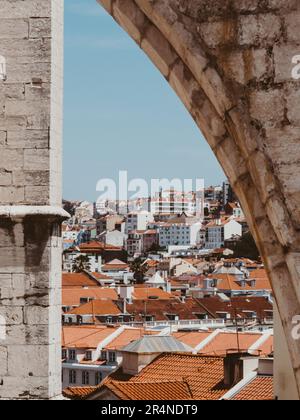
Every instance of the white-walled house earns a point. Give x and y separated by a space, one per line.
138 221
182 234
115 238
218 231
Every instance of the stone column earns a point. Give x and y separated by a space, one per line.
31 45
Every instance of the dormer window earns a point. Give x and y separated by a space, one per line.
88 355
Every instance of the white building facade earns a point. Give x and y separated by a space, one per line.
138 221
218 232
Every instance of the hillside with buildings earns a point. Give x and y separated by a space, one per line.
146 290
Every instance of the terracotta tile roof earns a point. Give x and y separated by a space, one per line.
228 282
192 339
267 348
115 265
97 246
151 263
237 306
260 389
260 273
97 308
216 223
126 337
224 341
150 391
78 280
146 293
78 393
160 309
100 276
205 375
85 337
72 296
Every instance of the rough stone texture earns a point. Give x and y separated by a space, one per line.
230 61
30 172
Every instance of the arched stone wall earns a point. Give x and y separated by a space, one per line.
230 61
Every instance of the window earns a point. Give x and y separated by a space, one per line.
85 378
104 355
72 377
64 354
88 355
72 355
112 357
98 378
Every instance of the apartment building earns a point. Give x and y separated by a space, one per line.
220 230
138 221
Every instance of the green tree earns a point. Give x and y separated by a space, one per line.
246 248
81 263
139 269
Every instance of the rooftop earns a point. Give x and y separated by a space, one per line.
72 296
145 391
260 389
97 308
156 344
205 375
85 337
78 280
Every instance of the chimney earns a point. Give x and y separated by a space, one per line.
237 365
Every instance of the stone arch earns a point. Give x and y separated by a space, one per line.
226 61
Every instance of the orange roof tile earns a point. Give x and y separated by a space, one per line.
260 389
205 375
148 292
72 296
150 391
224 341
100 276
228 282
97 308
267 348
78 393
78 280
85 337
97 246
192 339
126 337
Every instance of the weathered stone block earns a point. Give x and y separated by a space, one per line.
159 50
12 195
130 17
218 33
283 56
293 105
13 28
11 159
36 159
29 179
40 28
36 195
3 360
267 107
28 139
263 29
5 178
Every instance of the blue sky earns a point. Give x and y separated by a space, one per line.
119 112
